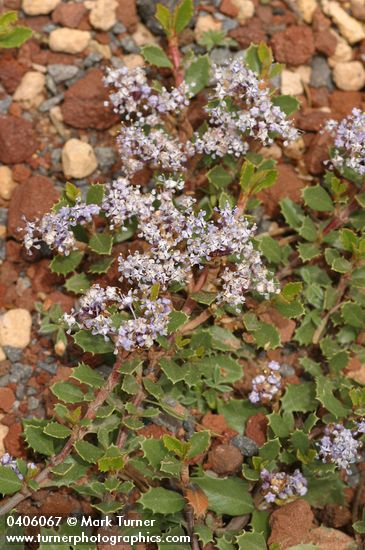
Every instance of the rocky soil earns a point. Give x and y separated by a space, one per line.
54 126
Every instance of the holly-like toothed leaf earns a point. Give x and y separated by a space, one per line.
197 500
358 277
88 452
281 425
174 445
219 177
71 192
270 249
237 411
270 450
67 392
162 501
176 320
15 37
353 314
112 461
359 526
292 290
7 19
56 430
154 451
199 443
174 372
92 343
317 198
223 339
108 508
62 265
39 441
78 283
299 398
95 194
290 310
202 297
164 17
102 266
156 56
101 243
205 534
308 251
324 390
267 336
223 544
182 15
253 541
287 103
222 494
87 375
197 75
9 481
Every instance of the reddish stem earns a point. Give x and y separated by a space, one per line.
175 57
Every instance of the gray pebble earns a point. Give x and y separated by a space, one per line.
229 24
2 249
51 85
321 73
219 56
31 391
106 157
4 380
5 104
49 103
20 391
51 368
60 72
246 445
20 372
117 62
118 28
49 27
92 59
13 354
33 403
129 45
3 216
286 370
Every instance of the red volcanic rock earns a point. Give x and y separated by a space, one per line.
32 200
69 15
245 35
84 103
7 399
294 45
317 153
342 103
291 524
127 13
256 428
228 8
312 120
18 140
225 459
11 73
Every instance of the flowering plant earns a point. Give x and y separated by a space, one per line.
183 296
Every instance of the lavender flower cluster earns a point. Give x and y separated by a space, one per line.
349 142
9 462
241 109
281 486
339 446
266 386
129 320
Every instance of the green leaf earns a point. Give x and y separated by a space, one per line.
67 392
292 213
183 13
253 541
219 177
154 451
252 59
95 194
267 336
174 372
177 320
77 283
162 501
287 103
39 441
92 343
164 17
270 450
87 375
270 249
341 265
353 314
223 339
7 19
324 391
112 461
299 398
174 445
54 429
318 199
308 251
102 266
199 443
197 75
358 277
88 452
15 37
9 481
291 290
206 298
237 411
101 243
156 56
222 494
281 424
72 192
290 310
65 264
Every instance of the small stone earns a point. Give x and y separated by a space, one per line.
245 9
13 354
133 60
256 428
30 90
246 445
15 327
349 76
206 23
2 355
342 53
18 140
39 7
349 27
307 9
105 156
143 36
7 185
290 524
5 104
102 15
78 159
358 9
61 73
50 103
33 403
69 15
321 73
330 539
294 45
69 40
102 49
11 73
291 83
305 73
7 399
225 459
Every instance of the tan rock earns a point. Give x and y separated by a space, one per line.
206 23
305 73
343 51
291 83
7 184
349 76
15 327
69 40
358 9
142 36
307 9
2 354
245 8
349 27
103 49
39 7
4 430
102 15
331 539
78 159
31 89
133 60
